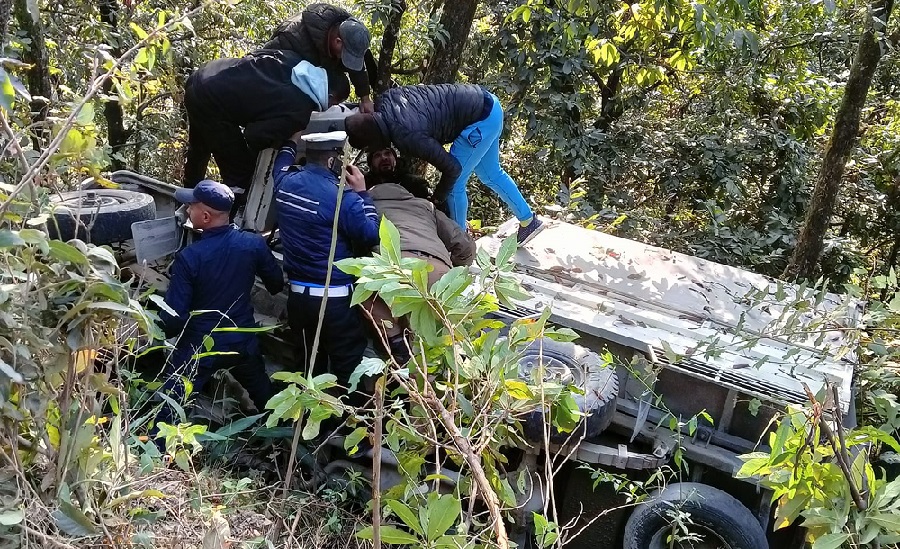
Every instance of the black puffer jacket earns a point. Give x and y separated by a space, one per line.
255 92
307 34
419 120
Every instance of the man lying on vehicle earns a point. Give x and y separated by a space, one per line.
386 167
238 107
426 233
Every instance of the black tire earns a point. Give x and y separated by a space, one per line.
722 520
108 212
588 372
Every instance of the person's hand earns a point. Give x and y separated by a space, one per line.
355 178
366 105
296 137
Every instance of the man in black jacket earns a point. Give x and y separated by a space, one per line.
238 107
419 120
328 37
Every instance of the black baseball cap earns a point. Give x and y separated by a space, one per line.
211 193
355 37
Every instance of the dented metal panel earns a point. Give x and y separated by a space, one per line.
667 303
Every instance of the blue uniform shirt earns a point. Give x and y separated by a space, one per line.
305 201
217 274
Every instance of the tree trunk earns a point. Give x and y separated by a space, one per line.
388 45
456 20
40 86
5 13
805 259
611 106
112 110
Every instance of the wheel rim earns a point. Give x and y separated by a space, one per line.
554 369
708 539
90 201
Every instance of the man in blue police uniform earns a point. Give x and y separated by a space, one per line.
216 275
306 204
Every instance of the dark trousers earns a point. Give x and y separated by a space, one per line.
209 135
248 369
342 341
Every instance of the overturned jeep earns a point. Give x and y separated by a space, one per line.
703 362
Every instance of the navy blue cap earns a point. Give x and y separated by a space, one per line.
355 37
211 193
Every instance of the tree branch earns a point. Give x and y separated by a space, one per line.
93 90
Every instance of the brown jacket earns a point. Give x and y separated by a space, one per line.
423 228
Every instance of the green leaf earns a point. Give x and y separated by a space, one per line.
871 434
370 366
66 252
161 303
353 439
314 422
237 329
889 522
12 517
71 520
85 115
831 541
7 91
406 515
238 426
10 372
10 239
390 240
141 34
753 406
507 250
518 389
443 512
390 535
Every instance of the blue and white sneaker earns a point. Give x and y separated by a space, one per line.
529 231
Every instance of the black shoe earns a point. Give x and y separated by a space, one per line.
529 231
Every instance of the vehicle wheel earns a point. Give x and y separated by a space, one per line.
721 521
573 364
104 215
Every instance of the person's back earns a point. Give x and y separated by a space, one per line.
210 284
250 88
439 111
307 32
231 255
422 227
329 37
306 204
420 120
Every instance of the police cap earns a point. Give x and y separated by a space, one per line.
330 141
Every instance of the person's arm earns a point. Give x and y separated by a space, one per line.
268 269
457 241
360 81
432 151
358 218
178 296
283 161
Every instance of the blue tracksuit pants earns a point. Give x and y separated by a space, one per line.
478 149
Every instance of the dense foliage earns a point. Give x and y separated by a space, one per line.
696 126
